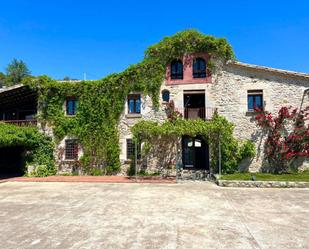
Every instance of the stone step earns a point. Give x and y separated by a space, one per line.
193 175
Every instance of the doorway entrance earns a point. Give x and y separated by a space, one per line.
194 104
11 162
195 153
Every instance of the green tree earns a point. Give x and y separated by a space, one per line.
2 79
16 71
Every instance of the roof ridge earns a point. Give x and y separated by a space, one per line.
269 69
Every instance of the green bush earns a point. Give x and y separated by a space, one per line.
38 146
96 172
131 169
41 171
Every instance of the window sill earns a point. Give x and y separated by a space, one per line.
253 113
133 115
199 77
70 116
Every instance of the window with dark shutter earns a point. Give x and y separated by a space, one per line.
255 100
199 68
134 104
176 70
71 106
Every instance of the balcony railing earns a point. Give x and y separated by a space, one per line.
205 113
30 122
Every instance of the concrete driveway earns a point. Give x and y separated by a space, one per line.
188 215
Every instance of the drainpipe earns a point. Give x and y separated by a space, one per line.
302 100
220 166
135 145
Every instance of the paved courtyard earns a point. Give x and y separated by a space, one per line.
187 215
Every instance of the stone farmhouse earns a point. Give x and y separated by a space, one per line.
233 90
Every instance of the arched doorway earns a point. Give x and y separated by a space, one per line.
195 153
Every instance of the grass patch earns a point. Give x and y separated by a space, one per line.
293 177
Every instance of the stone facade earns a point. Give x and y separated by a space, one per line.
228 92
230 96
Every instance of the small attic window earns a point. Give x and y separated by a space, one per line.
165 96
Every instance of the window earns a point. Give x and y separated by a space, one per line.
199 68
165 95
71 149
255 100
131 150
176 70
71 106
134 104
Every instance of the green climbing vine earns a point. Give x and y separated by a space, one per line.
233 151
101 102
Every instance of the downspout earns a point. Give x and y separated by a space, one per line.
302 100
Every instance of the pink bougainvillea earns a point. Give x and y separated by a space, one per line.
172 113
287 137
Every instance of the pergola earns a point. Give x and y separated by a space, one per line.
17 104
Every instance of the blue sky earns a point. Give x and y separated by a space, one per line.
67 38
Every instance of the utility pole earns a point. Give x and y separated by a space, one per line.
84 76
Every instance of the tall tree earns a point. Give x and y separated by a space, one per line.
2 79
16 71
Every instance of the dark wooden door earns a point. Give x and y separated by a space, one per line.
195 153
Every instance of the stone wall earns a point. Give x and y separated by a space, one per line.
261 184
128 120
154 159
67 166
228 93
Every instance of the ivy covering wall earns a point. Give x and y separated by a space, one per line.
101 102
38 147
232 150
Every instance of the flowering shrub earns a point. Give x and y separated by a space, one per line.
287 137
172 113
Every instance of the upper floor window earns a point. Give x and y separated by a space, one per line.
165 96
71 149
199 68
255 100
71 106
176 70
134 104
